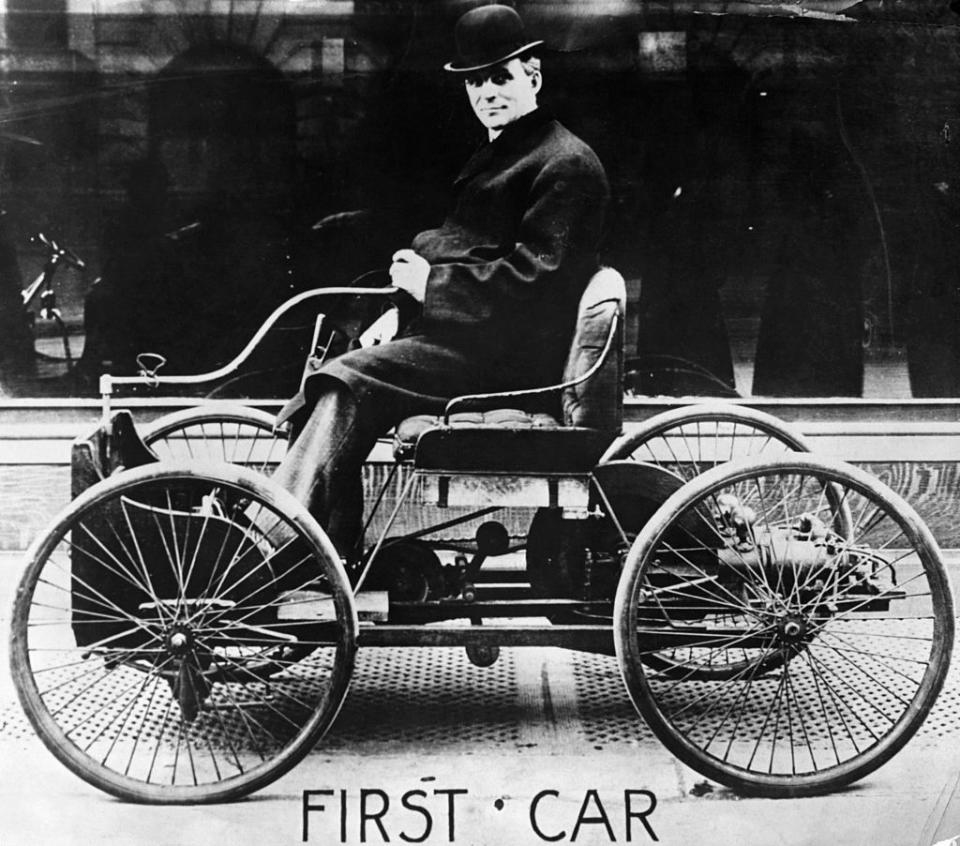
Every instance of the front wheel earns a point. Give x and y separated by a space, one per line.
840 641
182 636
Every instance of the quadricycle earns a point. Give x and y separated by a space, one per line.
782 622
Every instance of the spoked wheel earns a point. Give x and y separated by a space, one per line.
689 441
182 636
840 643
232 434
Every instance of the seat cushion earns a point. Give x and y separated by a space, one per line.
407 433
504 439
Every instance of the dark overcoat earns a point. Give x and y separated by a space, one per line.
507 268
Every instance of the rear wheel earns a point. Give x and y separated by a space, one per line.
182 636
834 647
231 434
689 441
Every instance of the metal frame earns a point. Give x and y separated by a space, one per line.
151 363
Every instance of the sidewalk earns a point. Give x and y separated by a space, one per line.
542 747
912 801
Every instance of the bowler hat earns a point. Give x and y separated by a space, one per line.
488 35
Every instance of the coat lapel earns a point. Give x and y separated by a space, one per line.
476 163
517 136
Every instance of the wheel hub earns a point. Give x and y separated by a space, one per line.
179 640
792 628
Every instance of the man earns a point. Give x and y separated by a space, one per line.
497 284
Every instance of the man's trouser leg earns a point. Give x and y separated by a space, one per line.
324 464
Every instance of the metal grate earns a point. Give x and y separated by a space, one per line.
437 697
433 696
607 716
99 715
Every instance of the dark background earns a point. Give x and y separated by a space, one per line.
784 188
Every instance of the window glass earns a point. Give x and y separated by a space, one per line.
784 190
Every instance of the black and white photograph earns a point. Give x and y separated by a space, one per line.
479 422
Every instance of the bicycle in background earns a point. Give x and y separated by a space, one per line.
39 298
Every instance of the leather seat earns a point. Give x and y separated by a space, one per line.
501 439
499 435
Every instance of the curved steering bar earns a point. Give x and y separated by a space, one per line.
148 374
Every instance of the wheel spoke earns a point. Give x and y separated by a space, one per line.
165 663
847 598
236 436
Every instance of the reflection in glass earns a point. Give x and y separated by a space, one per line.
785 189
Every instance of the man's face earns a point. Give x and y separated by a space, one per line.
502 93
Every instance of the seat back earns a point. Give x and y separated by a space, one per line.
597 402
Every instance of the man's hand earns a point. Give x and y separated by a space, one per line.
409 273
